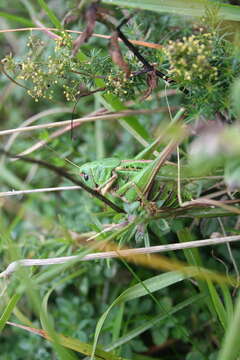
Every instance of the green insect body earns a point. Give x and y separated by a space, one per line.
132 180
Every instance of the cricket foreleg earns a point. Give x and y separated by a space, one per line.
104 188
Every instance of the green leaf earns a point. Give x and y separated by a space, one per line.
192 255
129 123
235 94
231 344
73 344
18 19
118 322
181 7
11 179
218 305
50 14
232 173
153 321
228 302
207 287
8 310
150 285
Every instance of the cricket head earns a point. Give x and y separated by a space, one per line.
97 173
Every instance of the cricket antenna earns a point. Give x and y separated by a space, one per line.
72 118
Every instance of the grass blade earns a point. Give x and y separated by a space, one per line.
15 18
231 344
150 323
71 343
150 285
181 7
8 310
50 14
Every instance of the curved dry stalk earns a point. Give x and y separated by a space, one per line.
12 267
38 145
109 116
135 42
32 191
32 119
211 202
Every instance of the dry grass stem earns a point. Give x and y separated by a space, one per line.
12 267
135 42
32 191
109 116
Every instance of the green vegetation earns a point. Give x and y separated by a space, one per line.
127 138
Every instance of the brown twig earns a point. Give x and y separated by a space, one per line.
62 172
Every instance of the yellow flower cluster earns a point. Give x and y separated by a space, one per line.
63 42
119 84
191 59
71 92
43 73
55 67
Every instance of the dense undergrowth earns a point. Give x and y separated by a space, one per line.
180 87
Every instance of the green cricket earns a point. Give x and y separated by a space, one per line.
138 179
134 180
128 179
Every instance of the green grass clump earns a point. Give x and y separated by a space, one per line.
180 305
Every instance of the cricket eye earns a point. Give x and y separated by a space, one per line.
85 176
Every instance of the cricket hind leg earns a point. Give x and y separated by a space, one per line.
164 195
142 198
